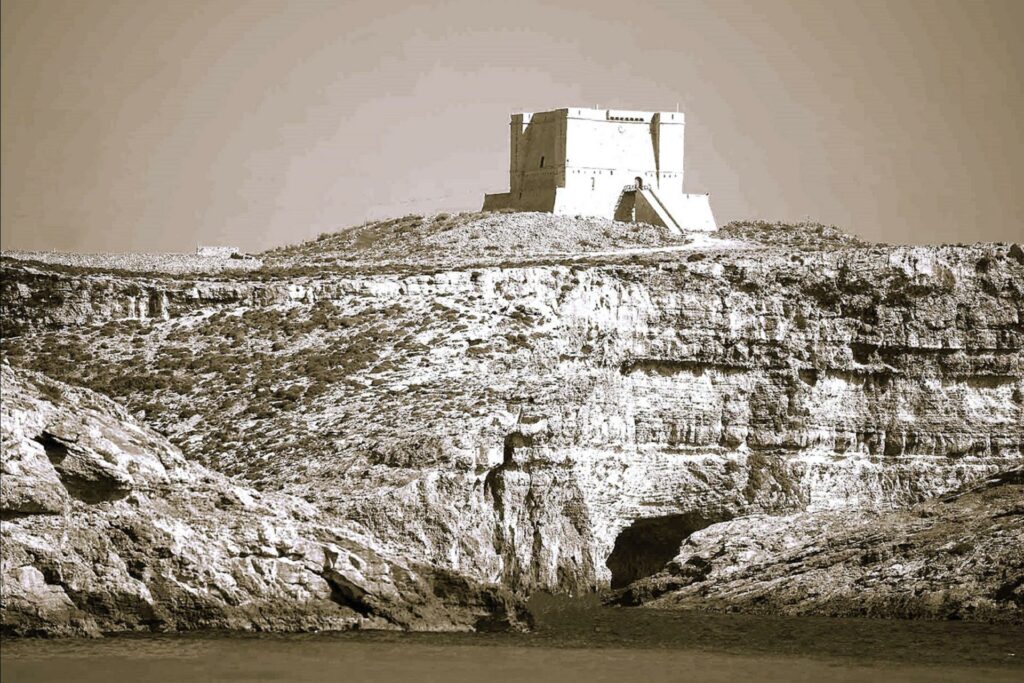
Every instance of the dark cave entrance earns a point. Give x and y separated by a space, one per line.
643 548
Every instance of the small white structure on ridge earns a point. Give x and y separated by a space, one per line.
217 251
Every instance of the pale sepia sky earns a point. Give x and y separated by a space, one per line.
154 125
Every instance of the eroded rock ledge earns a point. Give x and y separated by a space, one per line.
960 556
106 527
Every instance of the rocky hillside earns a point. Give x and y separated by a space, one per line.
445 239
954 557
106 527
538 419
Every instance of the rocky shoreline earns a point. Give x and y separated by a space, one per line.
108 529
953 557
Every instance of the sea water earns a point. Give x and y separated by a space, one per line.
574 640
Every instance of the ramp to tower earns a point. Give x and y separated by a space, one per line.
649 209
675 210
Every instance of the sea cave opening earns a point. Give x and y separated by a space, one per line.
645 546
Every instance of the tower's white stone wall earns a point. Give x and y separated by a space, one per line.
578 162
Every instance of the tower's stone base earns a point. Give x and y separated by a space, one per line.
674 210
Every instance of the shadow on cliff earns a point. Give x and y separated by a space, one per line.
644 547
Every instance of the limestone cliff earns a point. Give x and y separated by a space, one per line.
106 527
559 421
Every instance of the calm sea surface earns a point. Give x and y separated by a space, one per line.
574 641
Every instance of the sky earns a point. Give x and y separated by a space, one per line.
146 125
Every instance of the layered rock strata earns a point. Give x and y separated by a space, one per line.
564 424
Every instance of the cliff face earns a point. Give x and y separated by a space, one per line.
106 527
564 423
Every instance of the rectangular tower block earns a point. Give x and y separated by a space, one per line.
625 165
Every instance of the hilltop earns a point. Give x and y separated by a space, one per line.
417 242
471 236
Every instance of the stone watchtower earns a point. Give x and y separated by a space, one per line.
626 165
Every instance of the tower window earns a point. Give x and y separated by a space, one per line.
542 162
